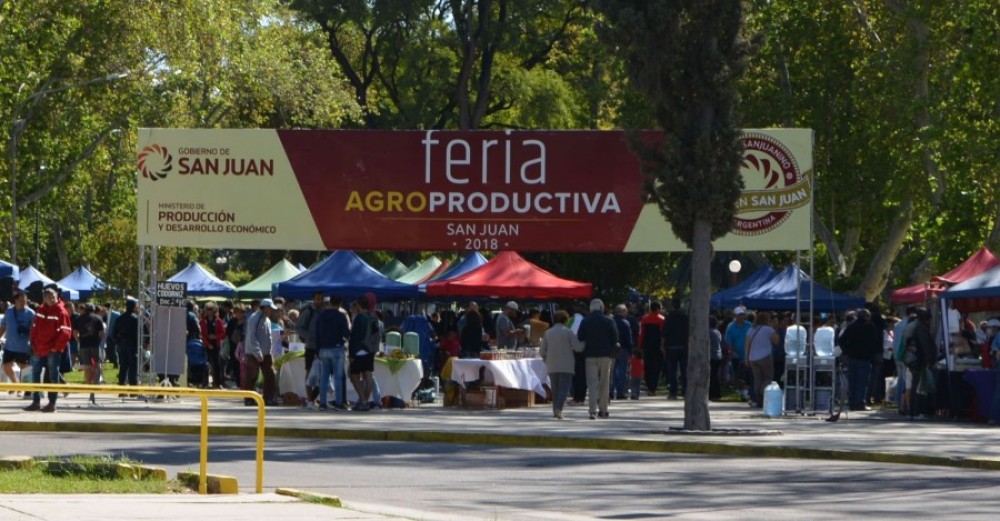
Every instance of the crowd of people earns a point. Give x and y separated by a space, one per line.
592 352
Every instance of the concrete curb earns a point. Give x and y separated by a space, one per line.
530 441
217 483
322 499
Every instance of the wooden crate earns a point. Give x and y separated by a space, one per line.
486 397
516 398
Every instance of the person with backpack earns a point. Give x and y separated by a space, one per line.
363 345
305 327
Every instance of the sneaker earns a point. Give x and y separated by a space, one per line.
559 415
50 407
604 414
593 416
361 407
33 407
339 407
92 405
323 407
309 406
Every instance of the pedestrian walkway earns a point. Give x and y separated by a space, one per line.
651 424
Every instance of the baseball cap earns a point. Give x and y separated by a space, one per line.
512 305
740 310
993 323
267 303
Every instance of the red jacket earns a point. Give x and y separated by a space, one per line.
219 330
52 329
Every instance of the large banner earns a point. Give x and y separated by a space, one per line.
443 190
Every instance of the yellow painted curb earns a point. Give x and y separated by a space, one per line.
322 499
217 483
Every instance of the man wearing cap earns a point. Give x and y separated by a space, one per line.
49 338
506 332
736 336
258 352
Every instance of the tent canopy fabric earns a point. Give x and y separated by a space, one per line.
201 283
508 275
732 297
30 275
790 289
84 282
261 286
394 269
345 274
421 272
979 262
457 269
8 270
979 293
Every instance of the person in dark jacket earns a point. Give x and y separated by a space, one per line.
600 339
127 337
926 351
859 343
620 378
675 348
332 332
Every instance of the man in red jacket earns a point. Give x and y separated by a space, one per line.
49 337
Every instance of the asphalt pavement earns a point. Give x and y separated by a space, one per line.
651 424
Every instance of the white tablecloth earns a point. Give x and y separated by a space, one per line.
292 379
528 374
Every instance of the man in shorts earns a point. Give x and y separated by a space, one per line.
15 327
89 332
361 355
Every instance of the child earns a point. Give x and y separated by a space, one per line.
637 370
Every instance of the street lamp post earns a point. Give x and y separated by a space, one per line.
17 130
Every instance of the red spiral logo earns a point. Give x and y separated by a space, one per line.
155 162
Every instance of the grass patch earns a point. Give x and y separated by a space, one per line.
110 375
82 475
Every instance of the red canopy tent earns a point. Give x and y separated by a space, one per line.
508 275
979 262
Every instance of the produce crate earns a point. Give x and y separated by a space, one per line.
516 398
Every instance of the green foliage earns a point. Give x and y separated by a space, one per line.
685 57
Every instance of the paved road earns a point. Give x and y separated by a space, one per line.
473 482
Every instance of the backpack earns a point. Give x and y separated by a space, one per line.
373 341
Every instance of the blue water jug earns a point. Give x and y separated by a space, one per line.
773 400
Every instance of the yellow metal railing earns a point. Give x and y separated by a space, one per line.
204 394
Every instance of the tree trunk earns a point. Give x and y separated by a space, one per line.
878 271
696 416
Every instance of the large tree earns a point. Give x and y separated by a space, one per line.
685 57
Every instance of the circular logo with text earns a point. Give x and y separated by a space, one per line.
155 162
770 172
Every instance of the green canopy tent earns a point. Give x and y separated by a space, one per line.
261 286
422 271
394 269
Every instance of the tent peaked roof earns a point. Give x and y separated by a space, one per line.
421 272
979 293
84 282
792 288
979 262
457 269
345 274
732 297
508 275
30 275
201 283
261 286
8 270
394 269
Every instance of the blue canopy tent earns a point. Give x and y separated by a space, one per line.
980 293
30 275
201 283
8 270
345 274
732 297
84 283
792 288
